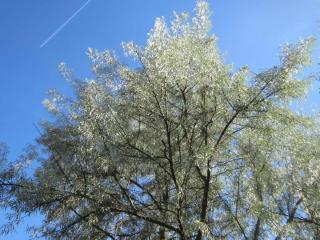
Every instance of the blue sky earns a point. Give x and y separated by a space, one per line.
249 32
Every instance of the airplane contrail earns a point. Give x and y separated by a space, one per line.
65 23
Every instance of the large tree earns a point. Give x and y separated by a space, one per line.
180 147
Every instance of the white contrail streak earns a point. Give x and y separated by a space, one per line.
65 23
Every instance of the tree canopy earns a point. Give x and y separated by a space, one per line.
181 147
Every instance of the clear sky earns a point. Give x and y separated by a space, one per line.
249 32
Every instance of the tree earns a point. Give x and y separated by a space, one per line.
181 147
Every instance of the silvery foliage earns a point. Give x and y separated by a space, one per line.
180 147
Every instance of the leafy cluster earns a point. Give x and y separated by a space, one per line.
181 147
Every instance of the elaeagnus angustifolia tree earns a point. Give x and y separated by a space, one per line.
180 147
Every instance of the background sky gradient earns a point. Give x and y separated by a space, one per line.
249 33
